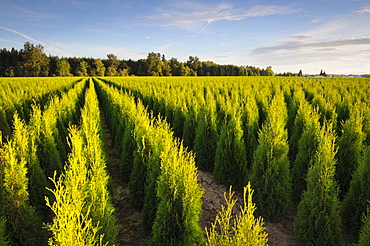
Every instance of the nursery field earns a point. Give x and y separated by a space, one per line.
147 161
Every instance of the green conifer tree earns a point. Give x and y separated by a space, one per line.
127 153
350 147
205 140
23 223
365 230
180 200
231 161
251 127
355 202
3 234
307 147
190 124
318 219
270 171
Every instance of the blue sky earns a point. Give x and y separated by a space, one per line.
287 35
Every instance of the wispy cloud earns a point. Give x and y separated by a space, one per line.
362 11
166 46
335 56
10 41
47 47
365 10
225 44
196 17
338 44
317 20
22 34
306 42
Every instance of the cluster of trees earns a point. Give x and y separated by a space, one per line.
32 61
290 74
299 74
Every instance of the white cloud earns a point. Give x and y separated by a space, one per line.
348 55
365 10
196 17
339 44
166 46
302 42
10 41
225 44
317 20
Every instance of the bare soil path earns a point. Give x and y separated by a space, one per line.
129 220
279 234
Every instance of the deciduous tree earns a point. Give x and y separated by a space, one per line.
82 69
63 68
99 67
35 62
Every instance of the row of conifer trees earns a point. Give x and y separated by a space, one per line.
34 151
82 205
300 141
161 173
18 94
162 178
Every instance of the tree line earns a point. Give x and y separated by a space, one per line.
31 61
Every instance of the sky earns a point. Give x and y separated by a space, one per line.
288 35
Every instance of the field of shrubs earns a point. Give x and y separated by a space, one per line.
290 145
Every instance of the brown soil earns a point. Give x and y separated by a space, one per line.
279 234
129 220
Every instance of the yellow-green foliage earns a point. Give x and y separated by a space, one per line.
84 213
318 219
23 223
180 199
308 121
196 110
239 230
355 202
203 101
72 223
58 114
350 149
271 168
17 94
163 178
102 210
231 149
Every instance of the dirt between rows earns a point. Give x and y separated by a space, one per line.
279 234
129 220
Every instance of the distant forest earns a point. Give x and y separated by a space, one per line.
33 62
